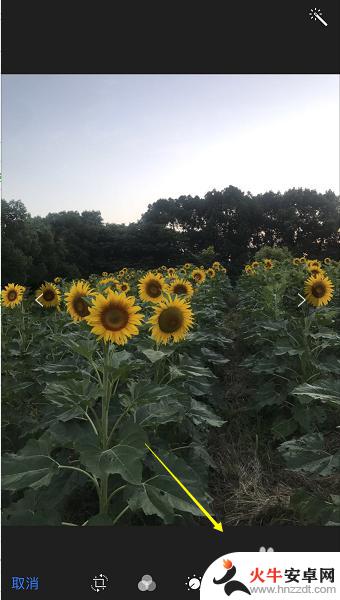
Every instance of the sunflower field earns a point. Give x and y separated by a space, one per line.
204 372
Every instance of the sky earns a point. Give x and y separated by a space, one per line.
117 143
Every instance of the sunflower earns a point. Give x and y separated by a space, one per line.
163 268
108 280
171 272
211 273
314 263
48 295
114 318
249 270
181 287
327 261
296 261
303 260
216 265
57 279
255 264
223 269
151 287
122 272
318 290
268 263
182 271
76 304
188 265
104 274
198 275
315 270
172 319
123 287
12 295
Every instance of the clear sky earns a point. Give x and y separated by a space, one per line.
117 143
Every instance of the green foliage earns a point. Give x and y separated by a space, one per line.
92 408
293 356
275 253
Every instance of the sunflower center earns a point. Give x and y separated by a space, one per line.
197 276
81 307
318 290
170 320
12 295
123 287
180 289
114 318
48 295
154 289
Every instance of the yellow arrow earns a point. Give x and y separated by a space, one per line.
216 525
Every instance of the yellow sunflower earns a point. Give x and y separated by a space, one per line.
249 270
181 287
211 273
114 318
216 265
171 272
268 263
12 295
318 290
315 270
108 280
76 303
151 287
188 265
57 279
314 263
198 275
123 287
327 261
296 261
255 264
223 269
172 320
104 274
182 271
303 260
49 295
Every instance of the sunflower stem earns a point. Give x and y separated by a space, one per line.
121 514
107 389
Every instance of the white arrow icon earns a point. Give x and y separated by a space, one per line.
303 299
37 300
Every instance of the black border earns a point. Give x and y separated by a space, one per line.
168 37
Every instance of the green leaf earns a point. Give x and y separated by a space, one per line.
267 395
214 357
84 347
325 390
124 458
283 428
151 501
32 467
153 355
159 413
162 496
201 414
307 454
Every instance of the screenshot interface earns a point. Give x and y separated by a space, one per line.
170 301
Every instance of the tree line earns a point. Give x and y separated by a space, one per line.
233 224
